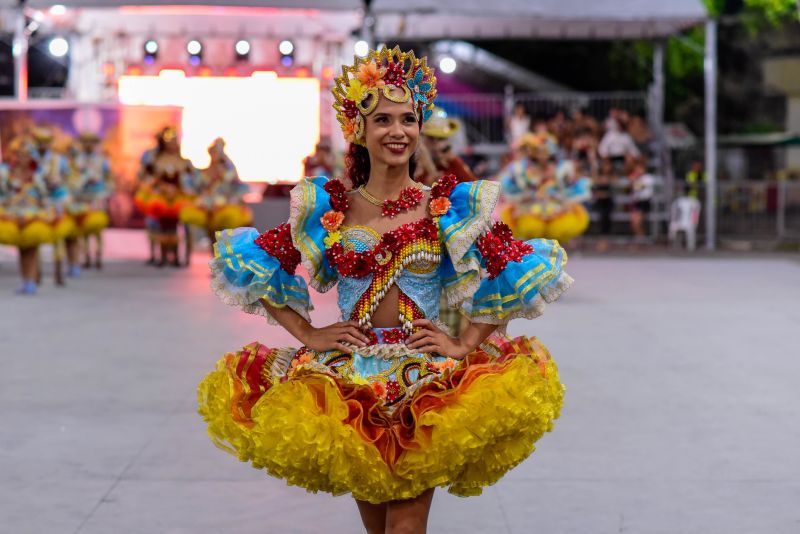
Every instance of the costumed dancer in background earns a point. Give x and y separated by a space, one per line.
220 203
25 221
322 162
53 170
145 180
438 158
90 186
543 200
169 190
437 135
384 404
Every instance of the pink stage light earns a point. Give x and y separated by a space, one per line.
269 123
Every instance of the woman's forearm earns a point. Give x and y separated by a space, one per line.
475 334
290 320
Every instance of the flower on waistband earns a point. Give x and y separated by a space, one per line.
393 336
393 390
443 366
439 206
304 358
332 220
379 389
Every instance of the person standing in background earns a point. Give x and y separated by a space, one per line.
518 124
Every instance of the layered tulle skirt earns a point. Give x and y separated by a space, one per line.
383 423
217 218
33 228
546 220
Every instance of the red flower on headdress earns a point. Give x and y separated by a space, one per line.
394 74
349 108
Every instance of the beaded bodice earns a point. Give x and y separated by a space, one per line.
370 264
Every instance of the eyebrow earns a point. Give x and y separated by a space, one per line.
384 114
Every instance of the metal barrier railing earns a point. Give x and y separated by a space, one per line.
759 209
484 115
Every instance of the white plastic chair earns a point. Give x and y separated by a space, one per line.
684 217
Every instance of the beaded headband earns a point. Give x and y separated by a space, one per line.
358 88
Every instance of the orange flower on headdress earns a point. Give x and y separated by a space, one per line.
370 75
439 206
349 131
332 220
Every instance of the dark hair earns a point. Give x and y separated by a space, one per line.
356 163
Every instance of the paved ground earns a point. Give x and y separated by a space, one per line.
680 417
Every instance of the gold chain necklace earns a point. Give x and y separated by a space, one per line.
372 199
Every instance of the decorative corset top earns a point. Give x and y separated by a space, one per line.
370 264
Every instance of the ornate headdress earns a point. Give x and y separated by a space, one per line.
357 89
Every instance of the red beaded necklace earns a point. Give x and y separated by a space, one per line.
409 198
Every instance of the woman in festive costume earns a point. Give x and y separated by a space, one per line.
25 220
90 184
220 203
384 404
169 187
52 169
540 201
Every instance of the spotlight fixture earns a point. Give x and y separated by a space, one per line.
58 47
150 51
361 48
242 48
447 65
286 48
195 50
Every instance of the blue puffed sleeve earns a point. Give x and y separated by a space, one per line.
521 289
243 274
309 202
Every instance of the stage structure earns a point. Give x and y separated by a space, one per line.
257 76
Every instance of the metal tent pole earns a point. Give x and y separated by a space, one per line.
20 52
657 122
710 71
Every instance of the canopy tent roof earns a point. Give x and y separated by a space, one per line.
479 19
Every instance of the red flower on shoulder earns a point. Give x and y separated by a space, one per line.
444 186
338 193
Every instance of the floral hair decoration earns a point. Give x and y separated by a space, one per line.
357 90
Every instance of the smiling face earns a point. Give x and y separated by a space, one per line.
392 131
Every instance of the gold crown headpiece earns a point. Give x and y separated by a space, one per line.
357 90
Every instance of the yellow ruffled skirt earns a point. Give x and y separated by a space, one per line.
461 427
562 225
92 222
217 219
